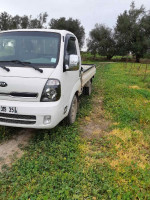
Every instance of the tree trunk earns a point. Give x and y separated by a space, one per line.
137 58
109 57
94 56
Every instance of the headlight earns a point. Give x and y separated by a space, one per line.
51 91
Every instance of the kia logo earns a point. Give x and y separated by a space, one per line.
3 84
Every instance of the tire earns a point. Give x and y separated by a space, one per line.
73 111
88 89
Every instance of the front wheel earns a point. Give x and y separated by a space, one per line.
73 111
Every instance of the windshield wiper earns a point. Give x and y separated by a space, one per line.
26 63
23 63
5 68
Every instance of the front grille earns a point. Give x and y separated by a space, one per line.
24 94
17 119
20 94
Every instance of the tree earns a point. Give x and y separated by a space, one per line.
39 21
5 21
73 25
131 32
24 22
8 22
102 41
15 22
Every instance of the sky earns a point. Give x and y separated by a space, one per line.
89 12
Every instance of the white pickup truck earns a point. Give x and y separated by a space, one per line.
41 77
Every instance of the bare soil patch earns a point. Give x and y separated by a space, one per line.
134 87
11 150
95 125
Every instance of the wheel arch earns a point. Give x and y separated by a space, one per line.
75 91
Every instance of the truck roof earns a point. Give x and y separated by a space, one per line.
62 32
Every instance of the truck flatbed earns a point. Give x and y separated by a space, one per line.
88 72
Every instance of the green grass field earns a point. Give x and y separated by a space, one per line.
62 164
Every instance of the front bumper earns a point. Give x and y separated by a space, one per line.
26 111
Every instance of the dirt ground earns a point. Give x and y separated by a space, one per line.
11 150
95 126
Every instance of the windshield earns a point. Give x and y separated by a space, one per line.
39 48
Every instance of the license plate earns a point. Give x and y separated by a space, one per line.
8 109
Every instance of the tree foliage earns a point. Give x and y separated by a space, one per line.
132 31
39 21
72 25
131 34
5 21
102 41
8 22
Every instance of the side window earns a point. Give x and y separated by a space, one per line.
71 47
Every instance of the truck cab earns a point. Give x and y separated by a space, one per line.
41 77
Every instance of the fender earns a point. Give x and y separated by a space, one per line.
76 88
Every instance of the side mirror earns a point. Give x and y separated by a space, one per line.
73 63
